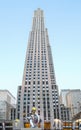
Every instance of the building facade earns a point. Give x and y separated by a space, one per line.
74 101
65 113
4 110
5 95
18 102
39 88
7 101
13 113
63 95
71 98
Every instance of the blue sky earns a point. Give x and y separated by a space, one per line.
63 20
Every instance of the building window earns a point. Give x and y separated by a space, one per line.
38 82
25 82
33 82
29 83
42 82
46 82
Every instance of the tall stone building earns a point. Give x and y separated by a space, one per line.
39 86
63 96
74 101
71 98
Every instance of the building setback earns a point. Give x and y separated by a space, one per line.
39 86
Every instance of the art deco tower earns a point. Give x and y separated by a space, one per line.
39 87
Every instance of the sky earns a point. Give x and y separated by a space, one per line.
63 20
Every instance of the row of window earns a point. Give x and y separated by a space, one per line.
38 70
34 82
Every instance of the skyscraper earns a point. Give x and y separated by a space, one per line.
39 86
63 96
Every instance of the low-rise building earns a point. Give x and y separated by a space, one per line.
7 102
